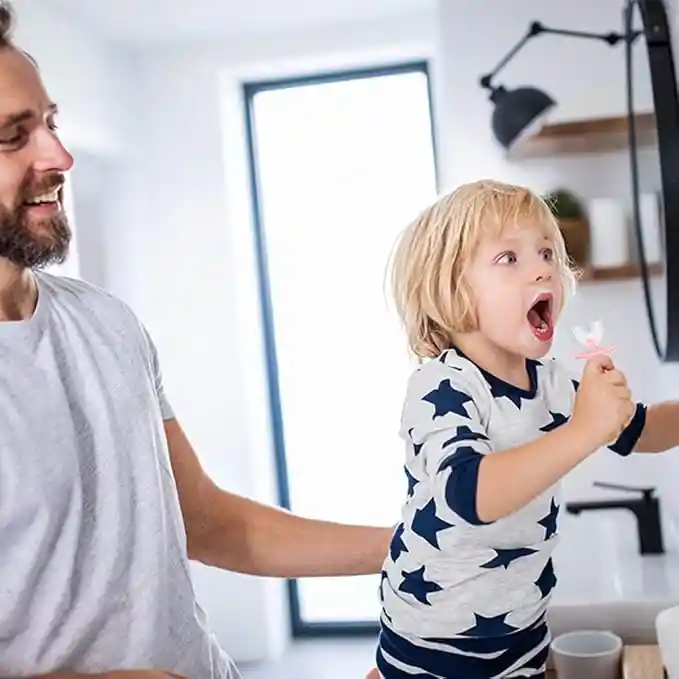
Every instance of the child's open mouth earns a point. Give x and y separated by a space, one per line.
540 318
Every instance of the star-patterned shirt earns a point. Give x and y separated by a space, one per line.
448 574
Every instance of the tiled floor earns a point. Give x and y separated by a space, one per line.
319 659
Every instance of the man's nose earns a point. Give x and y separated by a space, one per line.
50 154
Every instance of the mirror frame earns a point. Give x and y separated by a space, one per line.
657 34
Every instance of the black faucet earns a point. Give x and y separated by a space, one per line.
646 510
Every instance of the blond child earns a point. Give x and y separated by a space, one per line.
491 426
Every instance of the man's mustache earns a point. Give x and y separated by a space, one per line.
46 185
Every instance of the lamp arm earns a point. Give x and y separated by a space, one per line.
536 28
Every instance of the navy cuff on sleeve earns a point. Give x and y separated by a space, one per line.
630 435
462 483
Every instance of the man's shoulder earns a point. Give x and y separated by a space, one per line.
86 298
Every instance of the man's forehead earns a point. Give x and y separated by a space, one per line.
21 88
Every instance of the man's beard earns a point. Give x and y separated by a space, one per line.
32 243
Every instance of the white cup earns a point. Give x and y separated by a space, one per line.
667 631
592 654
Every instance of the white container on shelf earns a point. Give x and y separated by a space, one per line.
667 629
609 241
649 213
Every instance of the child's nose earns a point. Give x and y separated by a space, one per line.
543 270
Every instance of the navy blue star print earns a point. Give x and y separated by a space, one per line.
414 583
446 399
547 580
489 627
549 521
397 546
506 556
557 420
427 524
465 433
480 617
412 482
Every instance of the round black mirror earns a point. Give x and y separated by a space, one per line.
653 118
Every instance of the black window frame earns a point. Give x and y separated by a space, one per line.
299 627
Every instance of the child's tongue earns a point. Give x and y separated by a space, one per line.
534 318
541 327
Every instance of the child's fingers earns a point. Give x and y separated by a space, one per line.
373 674
600 363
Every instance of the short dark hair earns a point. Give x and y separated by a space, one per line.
6 24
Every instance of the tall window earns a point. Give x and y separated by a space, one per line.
340 165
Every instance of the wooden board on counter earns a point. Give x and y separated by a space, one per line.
641 662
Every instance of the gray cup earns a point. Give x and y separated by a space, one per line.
592 654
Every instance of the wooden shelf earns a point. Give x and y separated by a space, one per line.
593 135
618 273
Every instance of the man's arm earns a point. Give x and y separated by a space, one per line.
661 431
238 534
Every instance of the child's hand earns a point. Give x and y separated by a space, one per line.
603 405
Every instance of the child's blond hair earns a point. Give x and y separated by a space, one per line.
428 266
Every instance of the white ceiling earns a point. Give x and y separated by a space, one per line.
143 21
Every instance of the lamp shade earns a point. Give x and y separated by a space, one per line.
518 111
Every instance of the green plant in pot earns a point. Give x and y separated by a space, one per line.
572 218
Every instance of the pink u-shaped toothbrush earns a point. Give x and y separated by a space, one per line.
591 339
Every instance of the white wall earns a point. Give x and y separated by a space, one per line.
585 77
84 76
181 250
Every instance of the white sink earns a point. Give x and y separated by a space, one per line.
603 581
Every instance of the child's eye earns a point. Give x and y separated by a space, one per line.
507 258
548 254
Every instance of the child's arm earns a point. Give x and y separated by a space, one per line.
510 479
481 487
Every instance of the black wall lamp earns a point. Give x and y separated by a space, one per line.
521 111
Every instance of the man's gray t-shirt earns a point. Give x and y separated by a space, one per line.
94 573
